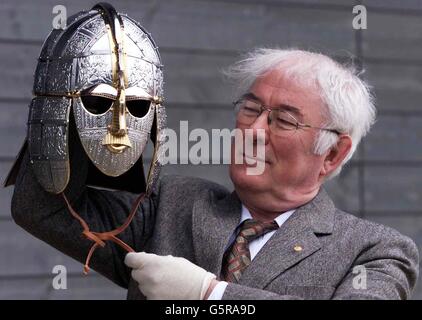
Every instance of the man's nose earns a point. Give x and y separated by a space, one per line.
261 123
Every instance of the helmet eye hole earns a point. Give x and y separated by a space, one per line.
96 105
138 108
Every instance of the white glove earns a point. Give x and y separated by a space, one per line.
168 277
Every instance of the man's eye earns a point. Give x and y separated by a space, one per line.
250 111
281 120
285 123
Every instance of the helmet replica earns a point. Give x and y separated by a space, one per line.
106 70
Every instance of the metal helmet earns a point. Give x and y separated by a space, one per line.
103 69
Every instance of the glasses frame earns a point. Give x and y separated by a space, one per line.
296 125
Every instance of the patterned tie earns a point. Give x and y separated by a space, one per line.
237 258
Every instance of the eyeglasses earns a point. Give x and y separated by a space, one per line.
279 120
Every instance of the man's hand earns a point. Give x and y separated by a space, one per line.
168 277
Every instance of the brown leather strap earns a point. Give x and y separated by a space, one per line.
99 237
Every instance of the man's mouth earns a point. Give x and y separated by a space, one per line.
265 160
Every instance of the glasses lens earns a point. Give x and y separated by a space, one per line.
247 111
282 121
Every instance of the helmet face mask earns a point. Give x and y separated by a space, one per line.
107 71
114 142
115 139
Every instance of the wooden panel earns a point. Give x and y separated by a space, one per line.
206 117
235 26
400 5
397 87
325 4
212 25
19 62
393 36
5 193
395 138
197 79
393 189
13 118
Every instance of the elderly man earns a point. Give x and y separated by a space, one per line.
278 235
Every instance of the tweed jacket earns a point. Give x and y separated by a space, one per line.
341 256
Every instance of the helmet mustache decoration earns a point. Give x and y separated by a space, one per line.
106 70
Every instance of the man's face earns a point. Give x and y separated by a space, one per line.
291 168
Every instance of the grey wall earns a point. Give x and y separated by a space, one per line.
197 39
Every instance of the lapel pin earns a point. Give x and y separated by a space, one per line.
298 248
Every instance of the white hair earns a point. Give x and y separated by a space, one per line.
348 101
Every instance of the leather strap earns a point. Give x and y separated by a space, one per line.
99 238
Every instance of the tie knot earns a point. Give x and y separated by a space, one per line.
251 229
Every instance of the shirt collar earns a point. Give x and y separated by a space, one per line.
279 220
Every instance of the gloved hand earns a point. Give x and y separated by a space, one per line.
168 277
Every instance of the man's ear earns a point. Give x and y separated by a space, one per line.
336 155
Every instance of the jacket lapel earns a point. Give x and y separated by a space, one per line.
294 241
213 223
